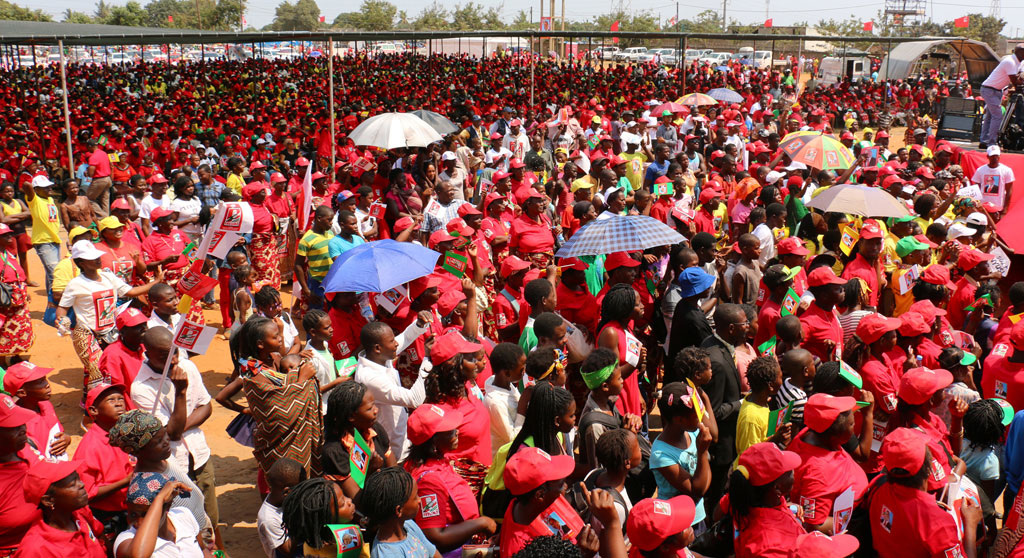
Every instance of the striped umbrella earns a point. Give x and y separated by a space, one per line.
619 233
817 150
696 100
725 95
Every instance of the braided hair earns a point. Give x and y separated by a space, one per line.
446 381
618 304
342 403
391 487
983 424
547 403
312 319
245 344
308 508
550 546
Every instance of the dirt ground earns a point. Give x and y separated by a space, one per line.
234 464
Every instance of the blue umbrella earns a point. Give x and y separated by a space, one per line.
725 95
377 266
619 234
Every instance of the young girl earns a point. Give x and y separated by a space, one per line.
693 366
984 426
679 457
318 332
308 509
391 510
268 304
242 301
618 451
350 409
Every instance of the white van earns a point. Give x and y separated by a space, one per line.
834 69
762 59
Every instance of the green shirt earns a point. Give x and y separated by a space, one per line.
314 247
594 273
528 339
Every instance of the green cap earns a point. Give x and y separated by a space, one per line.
905 219
969 359
1006 408
909 244
666 113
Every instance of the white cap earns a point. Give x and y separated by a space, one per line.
630 139
653 103
448 156
796 165
85 250
977 218
773 177
993 150
631 123
41 182
957 230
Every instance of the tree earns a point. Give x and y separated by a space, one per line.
71 16
708 21
468 17
433 17
638 21
159 10
522 22
18 13
303 15
131 14
102 11
376 15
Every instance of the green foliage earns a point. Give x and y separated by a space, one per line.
522 22
433 17
373 15
19 13
708 21
472 17
132 14
303 15
71 16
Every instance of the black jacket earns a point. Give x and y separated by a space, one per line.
724 392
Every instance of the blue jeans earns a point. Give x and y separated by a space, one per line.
993 119
317 290
49 254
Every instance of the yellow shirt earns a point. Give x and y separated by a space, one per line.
751 426
903 301
635 168
236 183
45 220
64 272
889 253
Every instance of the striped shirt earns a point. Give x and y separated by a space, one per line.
437 215
314 247
788 392
849 322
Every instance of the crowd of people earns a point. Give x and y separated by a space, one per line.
781 381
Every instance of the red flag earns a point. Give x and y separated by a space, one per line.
869 26
615 27
194 282
323 19
305 199
768 22
962 21
170 19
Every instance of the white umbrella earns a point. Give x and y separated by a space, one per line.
859 200
392 130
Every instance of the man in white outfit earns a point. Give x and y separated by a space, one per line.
1005 74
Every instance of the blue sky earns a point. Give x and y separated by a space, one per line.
261 12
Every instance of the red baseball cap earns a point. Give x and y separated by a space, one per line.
764 462
277 177
616 260
129 318
822 410
120 203
459 227
428 420
904 450
873 327
22 373
792 245
819 545
256 165
927 309
573 263
496 136
11 414
924 240
937 274
250 190
157 179
44 473
491 198
402 224
891 179
1017 335
302 162
823 276
498 175
98 391
450 344
651 520
918 384
526 193
970 258
913 324
159 213
709 193
531 467
870 231
4 229
449 301
437 237
516 163
881 134
468 209
847 135
924 172
511 265
418 286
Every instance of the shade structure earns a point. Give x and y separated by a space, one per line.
377 266
439 122
392 130
620 233
725 95
857 199
696 100
817 150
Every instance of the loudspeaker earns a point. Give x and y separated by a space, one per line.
958 105
959 127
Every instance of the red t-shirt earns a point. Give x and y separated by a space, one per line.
44 541
820 325
263 221
822 477
16 515
704 221
475 429
103 464
133 235
445 497
279 206
862 269
159 246
101 161
530 237
908 523
1002 378
119 365
768 532
493 228
579 307
347 326
767 317
882 379
505 314
44 427
120 261
963 296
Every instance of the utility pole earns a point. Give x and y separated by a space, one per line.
199 15
725 25
767 4
677 17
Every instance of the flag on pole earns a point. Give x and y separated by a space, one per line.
869 26
305 198
323 19
194 282
193 337
768 22
615 27
170 19
672 21
962 21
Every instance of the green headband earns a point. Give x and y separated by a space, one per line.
598 377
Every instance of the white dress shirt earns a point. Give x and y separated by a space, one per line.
143 393
392 399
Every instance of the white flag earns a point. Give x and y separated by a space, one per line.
222 242
193 337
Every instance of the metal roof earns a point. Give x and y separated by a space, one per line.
49 33
978 58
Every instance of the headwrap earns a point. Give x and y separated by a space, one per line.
133 430
598 377
144 487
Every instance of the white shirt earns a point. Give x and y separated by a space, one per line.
185 544
325 371
502 405
491 156
764 234
1000 77
270 526
143 393
95 302
992 182
188 208
393 399
149 203
518 145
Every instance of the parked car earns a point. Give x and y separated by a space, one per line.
606 53
716 58
629 55
656 55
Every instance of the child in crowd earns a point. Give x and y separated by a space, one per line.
284 474
618 451
798 370
28 383
309 508
961 365
985 425
319 331
500 394
242 301
765 377
164 300
693 367
391 511
603 379
679 457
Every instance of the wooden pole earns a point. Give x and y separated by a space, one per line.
330 79
67 113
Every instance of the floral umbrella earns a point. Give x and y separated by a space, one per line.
696 100
817 150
